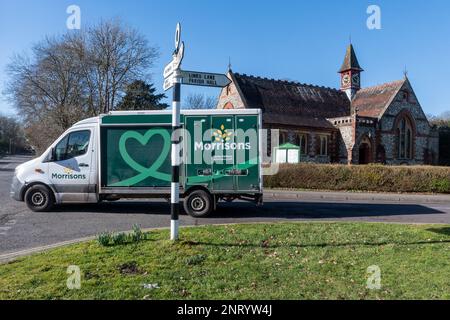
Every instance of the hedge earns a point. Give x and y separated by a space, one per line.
425 179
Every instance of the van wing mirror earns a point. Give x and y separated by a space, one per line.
51 155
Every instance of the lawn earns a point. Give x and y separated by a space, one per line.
249 261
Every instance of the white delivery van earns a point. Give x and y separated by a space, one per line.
127 155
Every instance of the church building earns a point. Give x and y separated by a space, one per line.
354 125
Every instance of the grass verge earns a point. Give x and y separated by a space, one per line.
258 261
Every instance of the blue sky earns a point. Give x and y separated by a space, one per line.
298 40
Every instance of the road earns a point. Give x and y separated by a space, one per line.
21 229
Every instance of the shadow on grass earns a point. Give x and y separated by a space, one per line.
265 245
443 230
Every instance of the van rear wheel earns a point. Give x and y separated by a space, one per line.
198 204
39 198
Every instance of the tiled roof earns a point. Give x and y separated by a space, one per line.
372 101
294 120
350 61
287 102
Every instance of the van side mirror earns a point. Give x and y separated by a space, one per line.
51 155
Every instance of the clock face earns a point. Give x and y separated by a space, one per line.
345 80
355 79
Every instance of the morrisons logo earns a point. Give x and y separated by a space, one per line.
68 174
222 146
221 141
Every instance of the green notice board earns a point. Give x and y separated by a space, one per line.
135 156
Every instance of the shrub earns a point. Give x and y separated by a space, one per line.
104 238
111 239
119 238
361 178
441 185
137 235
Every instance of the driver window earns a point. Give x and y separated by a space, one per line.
60 149
72 145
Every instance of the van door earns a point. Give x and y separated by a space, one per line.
247 158
223 152
198 167
70 170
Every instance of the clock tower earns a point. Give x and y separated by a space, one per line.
350 73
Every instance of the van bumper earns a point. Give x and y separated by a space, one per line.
16 189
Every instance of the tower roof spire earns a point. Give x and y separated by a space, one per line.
350 60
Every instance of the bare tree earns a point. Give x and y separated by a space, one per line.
199 101
116 56
47 85
12 136
77 75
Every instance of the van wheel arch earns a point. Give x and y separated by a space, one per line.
28 186
194 188
39 197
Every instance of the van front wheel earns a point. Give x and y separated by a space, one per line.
198 204
39 198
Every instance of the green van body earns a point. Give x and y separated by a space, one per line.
135 152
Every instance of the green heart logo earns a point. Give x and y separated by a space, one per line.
152 171
144 172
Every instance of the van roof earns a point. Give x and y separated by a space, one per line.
95 120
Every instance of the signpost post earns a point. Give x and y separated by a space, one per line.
173 78
175 81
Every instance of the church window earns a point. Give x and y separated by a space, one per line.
323 145
283 137
302 141
405 139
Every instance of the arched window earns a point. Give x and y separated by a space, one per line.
323 145
302 141
283 137
405 139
